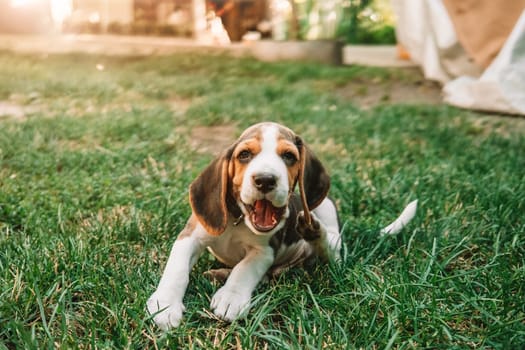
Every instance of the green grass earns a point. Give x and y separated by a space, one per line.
93 191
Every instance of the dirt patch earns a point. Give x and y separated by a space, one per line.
501 125
179 105
212 139
19 106
15 111
413 89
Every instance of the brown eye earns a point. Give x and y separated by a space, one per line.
244 156
289 158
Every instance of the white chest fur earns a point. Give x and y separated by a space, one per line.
234 244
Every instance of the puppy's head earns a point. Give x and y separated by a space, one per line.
258 173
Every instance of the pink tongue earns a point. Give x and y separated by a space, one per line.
264 213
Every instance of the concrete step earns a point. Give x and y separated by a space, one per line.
371 55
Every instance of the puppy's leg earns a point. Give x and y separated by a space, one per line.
218 275
233 299
166 302
323 233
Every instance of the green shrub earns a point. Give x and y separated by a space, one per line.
367 22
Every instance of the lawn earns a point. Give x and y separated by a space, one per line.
96 156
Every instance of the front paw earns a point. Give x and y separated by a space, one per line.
308 232
166 314
230 305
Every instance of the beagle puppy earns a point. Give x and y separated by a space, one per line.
246 212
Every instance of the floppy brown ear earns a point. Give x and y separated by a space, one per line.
208 195
314 181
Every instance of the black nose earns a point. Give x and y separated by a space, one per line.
264 182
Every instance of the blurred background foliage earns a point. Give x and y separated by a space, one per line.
351 21
367 22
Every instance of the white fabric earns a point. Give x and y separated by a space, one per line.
426 31
501 87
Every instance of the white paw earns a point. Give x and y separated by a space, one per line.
166 314
230 305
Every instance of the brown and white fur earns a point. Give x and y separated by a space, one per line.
245 211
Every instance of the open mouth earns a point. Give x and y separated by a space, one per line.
264 216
